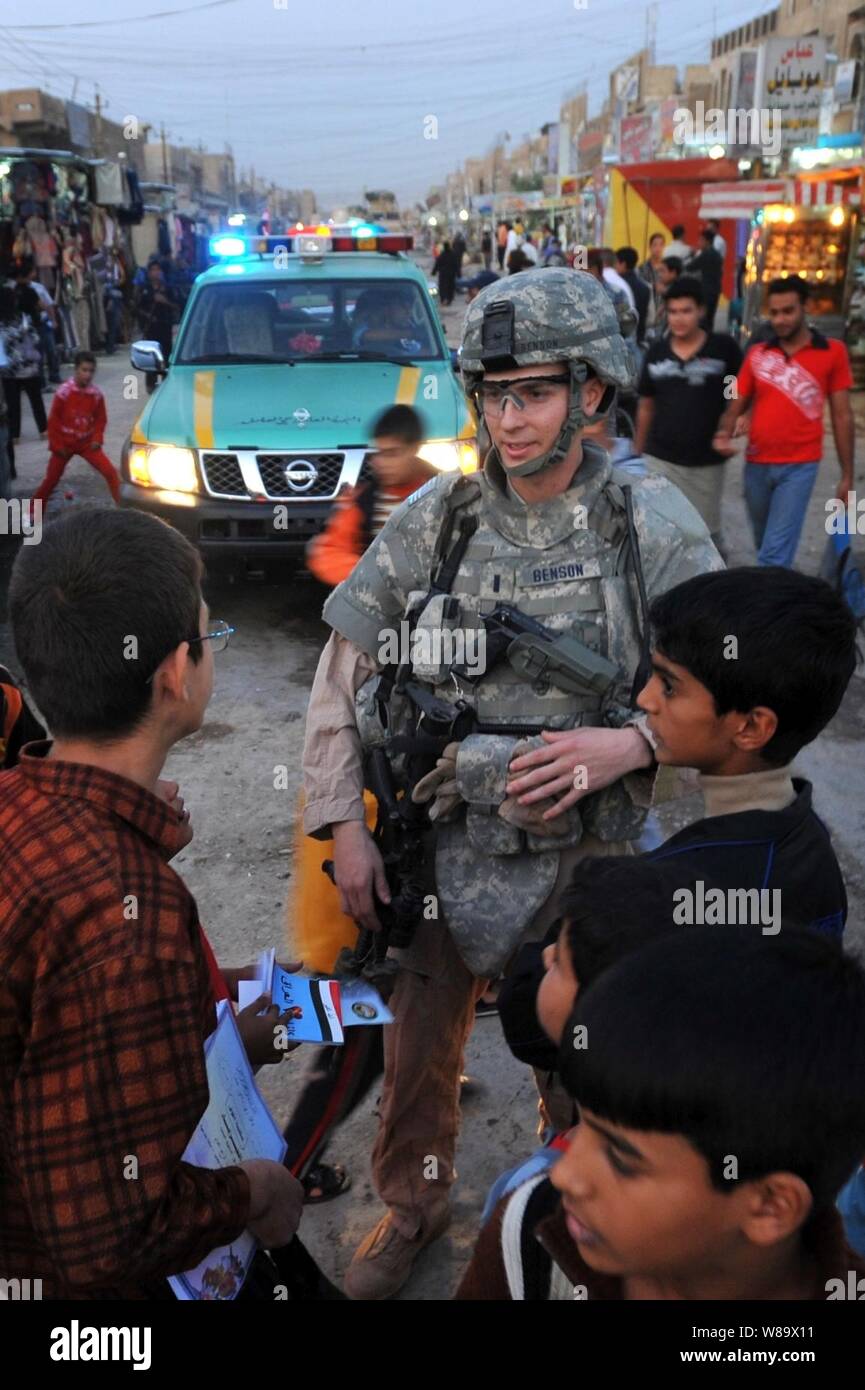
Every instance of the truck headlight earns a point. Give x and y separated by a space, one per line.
448 455
163 465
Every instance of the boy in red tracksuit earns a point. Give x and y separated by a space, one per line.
360 513
76 425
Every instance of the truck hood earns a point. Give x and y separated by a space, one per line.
328 405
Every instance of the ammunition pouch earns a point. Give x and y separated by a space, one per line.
482 768
489 835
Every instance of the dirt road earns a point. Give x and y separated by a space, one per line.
239 864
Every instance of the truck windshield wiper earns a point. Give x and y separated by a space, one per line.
216 359
352 355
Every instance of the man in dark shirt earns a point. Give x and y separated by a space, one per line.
626 265
709 267
687 379
157 313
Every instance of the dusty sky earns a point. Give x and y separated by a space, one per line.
333 95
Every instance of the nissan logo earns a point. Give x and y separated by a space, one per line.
300 474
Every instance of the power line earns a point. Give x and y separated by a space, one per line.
131 19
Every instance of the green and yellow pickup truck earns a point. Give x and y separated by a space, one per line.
288 350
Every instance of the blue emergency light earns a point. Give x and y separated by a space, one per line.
222 246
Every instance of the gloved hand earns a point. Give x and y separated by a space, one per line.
439 786
531 818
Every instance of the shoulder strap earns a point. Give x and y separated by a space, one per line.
465 490
613 519
607 517
641 675
513 1224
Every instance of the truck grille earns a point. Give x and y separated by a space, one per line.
223 476
272 470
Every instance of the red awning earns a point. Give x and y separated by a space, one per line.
822 193
742 198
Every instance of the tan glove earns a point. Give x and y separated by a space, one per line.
531 818
440 787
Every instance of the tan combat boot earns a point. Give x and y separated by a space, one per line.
384 1259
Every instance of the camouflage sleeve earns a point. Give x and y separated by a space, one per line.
674 542
375 594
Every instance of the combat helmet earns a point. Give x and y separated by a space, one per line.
543 315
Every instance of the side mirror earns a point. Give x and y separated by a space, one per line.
455 359
146 356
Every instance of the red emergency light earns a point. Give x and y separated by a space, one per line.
388 243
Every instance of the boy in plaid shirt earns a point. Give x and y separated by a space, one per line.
104 1009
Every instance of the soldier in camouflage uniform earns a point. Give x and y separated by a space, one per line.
550 529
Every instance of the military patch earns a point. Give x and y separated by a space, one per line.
559 572
421 492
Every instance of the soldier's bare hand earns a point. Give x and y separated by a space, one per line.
358 871
575 763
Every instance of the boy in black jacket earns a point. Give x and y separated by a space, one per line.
748 665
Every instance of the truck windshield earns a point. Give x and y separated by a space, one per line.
300 321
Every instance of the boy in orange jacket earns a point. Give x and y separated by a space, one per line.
360 512
76 425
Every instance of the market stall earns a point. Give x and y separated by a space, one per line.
71 215
813 234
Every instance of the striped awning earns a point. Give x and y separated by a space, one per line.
823 193
742 198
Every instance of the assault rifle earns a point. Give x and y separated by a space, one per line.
399 836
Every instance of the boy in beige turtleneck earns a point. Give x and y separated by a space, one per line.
748 665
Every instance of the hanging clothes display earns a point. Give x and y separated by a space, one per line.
74 289
109 190
96 279
46 252
132 214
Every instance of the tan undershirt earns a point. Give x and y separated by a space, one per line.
332 754
771 790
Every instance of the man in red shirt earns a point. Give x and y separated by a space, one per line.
76 425
786 382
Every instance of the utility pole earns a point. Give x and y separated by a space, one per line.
97 138
164 153
651 30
